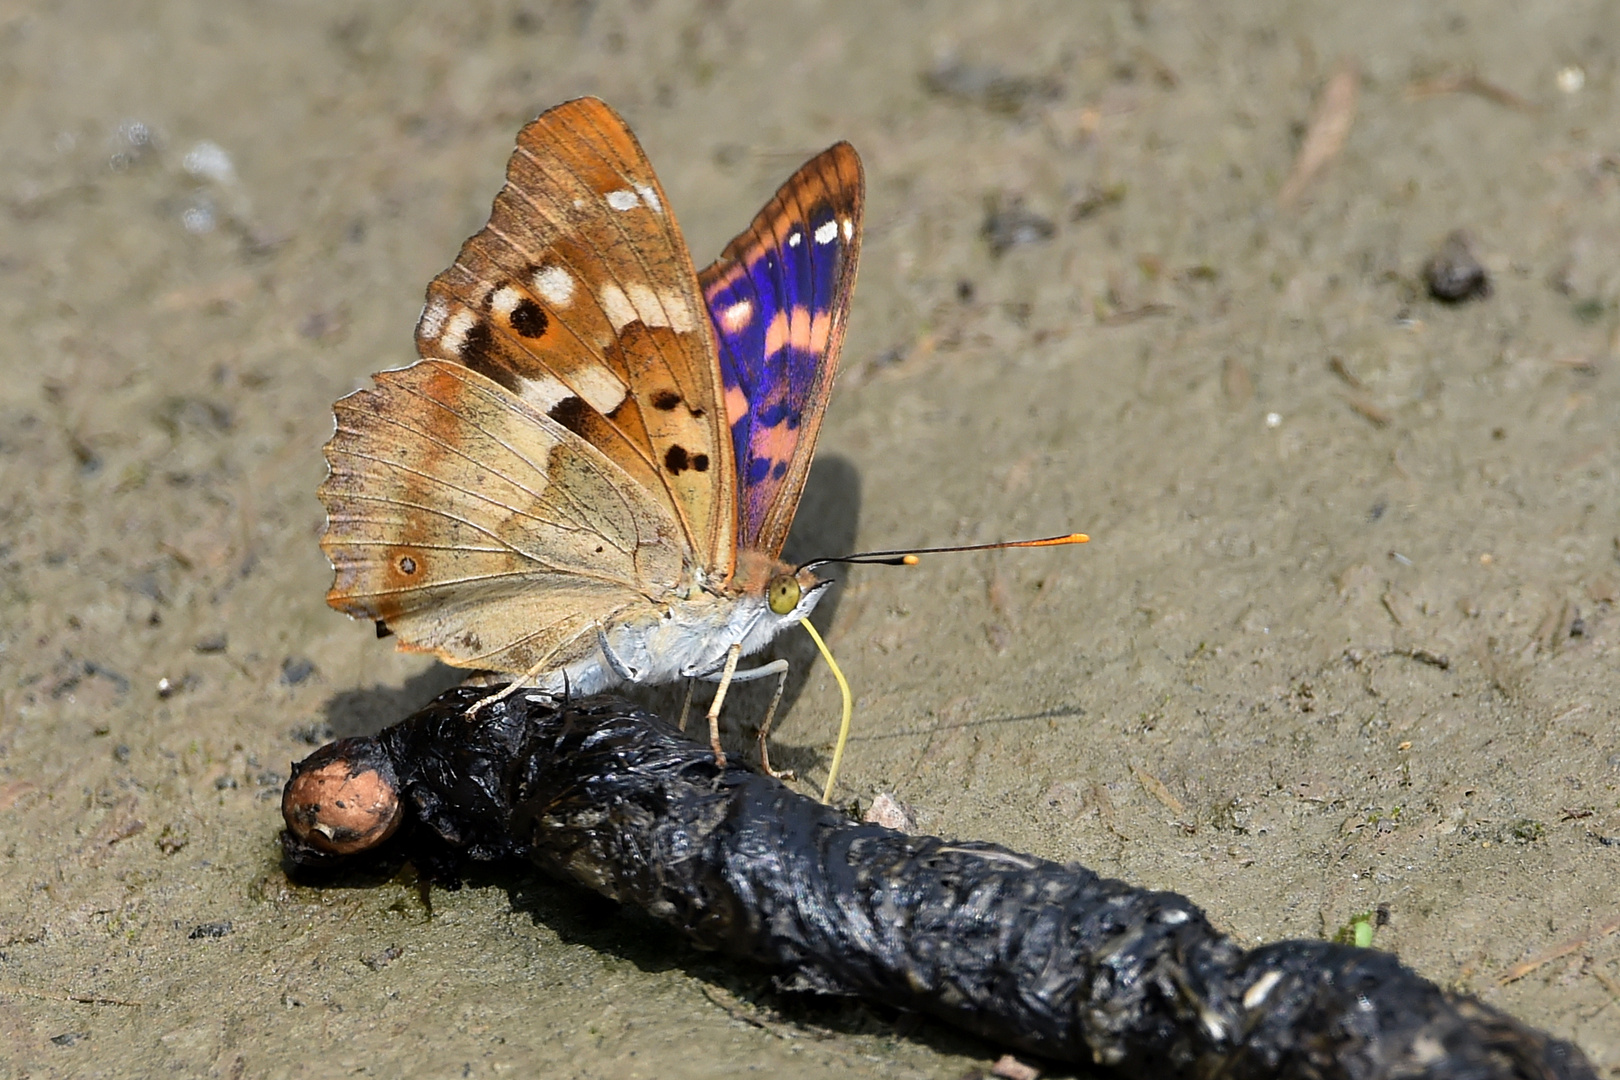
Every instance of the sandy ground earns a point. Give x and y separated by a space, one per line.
1307 483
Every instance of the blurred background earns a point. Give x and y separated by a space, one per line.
1306 312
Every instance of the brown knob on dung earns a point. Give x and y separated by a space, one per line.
343 798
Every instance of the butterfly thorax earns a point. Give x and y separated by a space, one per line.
689 631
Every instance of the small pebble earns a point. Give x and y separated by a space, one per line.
210 930
887 812
1453 275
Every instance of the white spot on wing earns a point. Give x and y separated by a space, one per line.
645 301
795 238
505 299
650 197
849 229
616 306
737 315
432 320
659 308
680 316
556 285
826 232
455 331
543 391
601 389
622 200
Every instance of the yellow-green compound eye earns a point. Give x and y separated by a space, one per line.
783 594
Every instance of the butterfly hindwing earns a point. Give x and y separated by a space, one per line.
479 529
579 297
778 298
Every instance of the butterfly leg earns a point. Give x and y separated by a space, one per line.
779 668
770 715
732 655
686 706
513 687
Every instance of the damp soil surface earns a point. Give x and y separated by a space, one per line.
1343 649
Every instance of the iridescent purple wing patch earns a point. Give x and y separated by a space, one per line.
778 297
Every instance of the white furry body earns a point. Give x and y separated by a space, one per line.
678 640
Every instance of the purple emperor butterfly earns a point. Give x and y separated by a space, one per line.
588 478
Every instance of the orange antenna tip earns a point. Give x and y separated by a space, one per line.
909 560
1049 541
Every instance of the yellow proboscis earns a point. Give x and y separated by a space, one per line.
849 709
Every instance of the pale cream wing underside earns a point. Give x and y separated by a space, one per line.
479 529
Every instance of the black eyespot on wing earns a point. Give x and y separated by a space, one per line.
700 462
407 565
572 413
666 400
477 352
529 319
676 460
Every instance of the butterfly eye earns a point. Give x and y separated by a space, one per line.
783 594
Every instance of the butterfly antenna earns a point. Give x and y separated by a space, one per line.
910 557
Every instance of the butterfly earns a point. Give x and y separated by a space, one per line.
587 479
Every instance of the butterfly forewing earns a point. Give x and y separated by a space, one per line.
778 297
478 528
579 297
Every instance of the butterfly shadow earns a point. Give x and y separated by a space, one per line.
825 525
367 710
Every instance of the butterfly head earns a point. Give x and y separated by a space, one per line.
792 594
776 601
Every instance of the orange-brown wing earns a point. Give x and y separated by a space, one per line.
579 296
482 530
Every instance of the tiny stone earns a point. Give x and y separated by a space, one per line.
1453 275
1008 224
210 930
173 838
295 670
313 733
